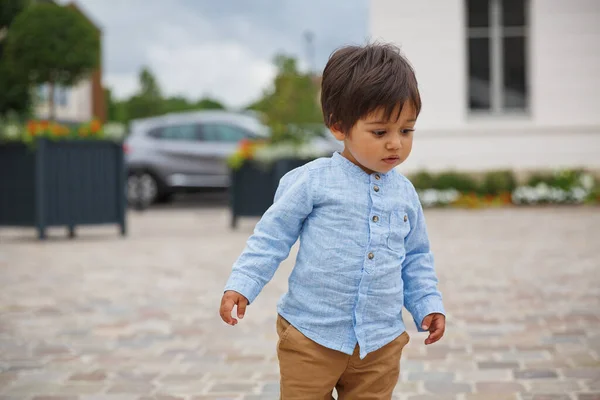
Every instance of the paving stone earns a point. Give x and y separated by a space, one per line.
593 385
499 387
582 373
271 387
497 365
487 375
55 398
589 396
131 388
431 376
489 396
232 387
535 374
551 386
76 388
225 397
447 387
407 387
89 376
34 388
79 327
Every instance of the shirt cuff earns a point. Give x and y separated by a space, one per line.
428 305
243 285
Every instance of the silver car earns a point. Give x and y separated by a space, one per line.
188 151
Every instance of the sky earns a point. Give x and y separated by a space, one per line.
223 49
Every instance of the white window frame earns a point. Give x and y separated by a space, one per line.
496 33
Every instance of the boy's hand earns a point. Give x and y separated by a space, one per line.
231 298
436 325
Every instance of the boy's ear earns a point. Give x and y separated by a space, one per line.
337 132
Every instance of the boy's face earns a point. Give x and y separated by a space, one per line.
376 144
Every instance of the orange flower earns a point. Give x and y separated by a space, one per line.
95 126
506 198
246 149
83 130
44 124
31 127
55 129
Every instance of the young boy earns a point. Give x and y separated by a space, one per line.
364 251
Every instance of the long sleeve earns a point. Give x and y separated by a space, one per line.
421 295
273 236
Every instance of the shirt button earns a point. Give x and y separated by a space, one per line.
371 256
377 177
405 218
376 188
375 218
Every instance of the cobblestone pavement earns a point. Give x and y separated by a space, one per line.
102 317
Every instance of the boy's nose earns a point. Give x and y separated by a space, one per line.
394 144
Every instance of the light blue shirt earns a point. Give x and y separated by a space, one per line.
364 254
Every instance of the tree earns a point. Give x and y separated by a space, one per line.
9 9
148 101
291 102
207 103
14 88
53 44
116 111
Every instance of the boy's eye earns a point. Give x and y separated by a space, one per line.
407 131
378 133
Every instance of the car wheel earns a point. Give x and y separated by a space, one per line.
142 189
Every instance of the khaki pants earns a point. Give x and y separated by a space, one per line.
310 371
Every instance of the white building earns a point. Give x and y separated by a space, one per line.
72 104
81 102
505 83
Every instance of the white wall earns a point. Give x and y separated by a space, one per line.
565 58
562 128
78 107
521 150
431 35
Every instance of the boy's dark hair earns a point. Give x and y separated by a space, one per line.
357 80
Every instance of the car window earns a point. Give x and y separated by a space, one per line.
183 132
224 133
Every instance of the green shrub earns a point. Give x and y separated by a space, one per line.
422 180
462 182
564 179
496 182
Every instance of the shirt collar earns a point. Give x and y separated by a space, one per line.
354 169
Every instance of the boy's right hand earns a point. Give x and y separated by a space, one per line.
231 298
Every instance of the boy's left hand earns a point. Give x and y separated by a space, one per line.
436 325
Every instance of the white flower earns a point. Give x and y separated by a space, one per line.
12 131
114 130
587 181
432 197
579 194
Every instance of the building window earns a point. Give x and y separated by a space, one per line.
497 56
61 95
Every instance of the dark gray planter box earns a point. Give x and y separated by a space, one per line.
253 187
62 183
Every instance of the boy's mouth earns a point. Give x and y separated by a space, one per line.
391 159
